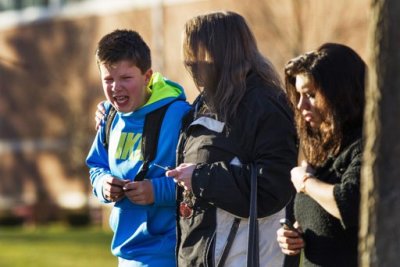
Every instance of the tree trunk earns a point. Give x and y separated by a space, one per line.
380 193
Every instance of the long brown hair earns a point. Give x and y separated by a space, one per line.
219 50
338 74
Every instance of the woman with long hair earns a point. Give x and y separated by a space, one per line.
326 90
240 117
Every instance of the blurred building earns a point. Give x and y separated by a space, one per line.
49 83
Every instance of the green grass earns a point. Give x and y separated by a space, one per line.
56 247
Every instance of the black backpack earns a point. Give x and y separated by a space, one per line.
151 132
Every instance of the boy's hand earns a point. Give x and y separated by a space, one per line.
100 114
112 188
140 192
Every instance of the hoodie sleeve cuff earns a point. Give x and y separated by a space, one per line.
98 189
164 191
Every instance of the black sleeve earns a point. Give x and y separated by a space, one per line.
347 192
274 150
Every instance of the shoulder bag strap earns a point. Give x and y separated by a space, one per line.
229 242
253 256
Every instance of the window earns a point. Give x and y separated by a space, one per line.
7 5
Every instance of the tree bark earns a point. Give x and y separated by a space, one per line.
380 192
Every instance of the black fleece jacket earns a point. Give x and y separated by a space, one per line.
328 240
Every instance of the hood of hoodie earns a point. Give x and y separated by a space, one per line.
163 91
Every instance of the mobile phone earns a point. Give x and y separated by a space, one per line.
287 224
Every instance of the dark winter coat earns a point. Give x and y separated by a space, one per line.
262 132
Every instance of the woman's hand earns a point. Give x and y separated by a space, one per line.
183 175
100 114
318 190
290 241
298 175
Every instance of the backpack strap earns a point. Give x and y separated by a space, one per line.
150 135
110 115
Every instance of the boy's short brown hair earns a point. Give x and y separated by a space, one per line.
124 45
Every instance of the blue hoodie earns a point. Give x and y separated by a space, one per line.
144 234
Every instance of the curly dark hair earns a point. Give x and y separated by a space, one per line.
338 74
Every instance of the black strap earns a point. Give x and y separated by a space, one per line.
229 242
150 134
253 256
110 115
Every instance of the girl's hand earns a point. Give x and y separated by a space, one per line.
299 173
290 241
100 114
183 175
